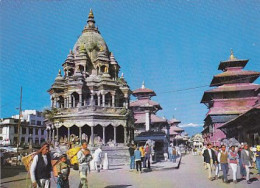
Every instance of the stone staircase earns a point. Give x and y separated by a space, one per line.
118 155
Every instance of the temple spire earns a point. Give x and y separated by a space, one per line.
90 15
232 57
143 86
91 21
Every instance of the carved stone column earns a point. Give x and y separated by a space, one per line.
70 101
80 134
57 129
125 136
98 100
103 100
115 135
92 102
113 100
92 135
80 100
68 133
104 135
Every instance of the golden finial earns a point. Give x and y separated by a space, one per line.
232 57
90 15
143 86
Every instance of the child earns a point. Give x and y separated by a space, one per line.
63 170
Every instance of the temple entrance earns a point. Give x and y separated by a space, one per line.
63 131
87 131
120 134
109 133
74 130
98 132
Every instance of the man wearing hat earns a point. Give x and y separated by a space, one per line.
41 168
246 161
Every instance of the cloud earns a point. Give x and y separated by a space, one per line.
191 125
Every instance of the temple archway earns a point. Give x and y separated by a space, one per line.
109 133
74 99
74 130
108 99
86 129
98 131
63 131
120 134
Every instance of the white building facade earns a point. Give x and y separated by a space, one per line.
32 129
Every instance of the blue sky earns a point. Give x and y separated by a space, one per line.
171 45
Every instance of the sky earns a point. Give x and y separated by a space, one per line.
174 46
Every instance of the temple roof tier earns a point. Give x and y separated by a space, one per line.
141 118
145 103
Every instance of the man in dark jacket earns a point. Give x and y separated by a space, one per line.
210 159
132 156
41 168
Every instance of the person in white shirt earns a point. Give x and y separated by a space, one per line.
41 168
97 158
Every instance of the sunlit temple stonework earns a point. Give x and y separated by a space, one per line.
91 99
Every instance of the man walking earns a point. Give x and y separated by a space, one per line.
242 168
246 162
210 159
233 162
98 158
217 165
132 156
41 168
84 157
137 155
170 152
147 155
223 159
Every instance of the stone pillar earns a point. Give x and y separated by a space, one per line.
99 100
55 102
92 102
53 135
57 129
113 100
80 135
147 120
27 136
33 135
92 135
115 135
39 135
103 100
68 133
125 136
73 101
70 102
80 100
104 135
52 103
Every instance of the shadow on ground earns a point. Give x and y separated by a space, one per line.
10 171
118 186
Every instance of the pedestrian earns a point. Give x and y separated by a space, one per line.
41 168
217 165
246 161
84 157
19 159
174 154
98 158
233 162
210 159
258 158
63 170
223 159
242 168
147 155
170 152
137 155
204 162
142 154
131 150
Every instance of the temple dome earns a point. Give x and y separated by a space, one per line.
91 39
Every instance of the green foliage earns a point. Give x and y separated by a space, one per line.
50 114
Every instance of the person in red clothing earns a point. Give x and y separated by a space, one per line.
233 158
147 155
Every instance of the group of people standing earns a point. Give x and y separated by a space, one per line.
223 157
41 167
173 153
140 157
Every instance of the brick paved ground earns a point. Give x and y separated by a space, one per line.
191 174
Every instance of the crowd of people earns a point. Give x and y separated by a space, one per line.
218 159
140 157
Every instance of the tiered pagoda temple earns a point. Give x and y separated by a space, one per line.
175 130
234 94
145 111
91 99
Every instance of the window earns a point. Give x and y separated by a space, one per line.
32 122
15 130
23 130
39 123
42 133
1 130
30 131
36 131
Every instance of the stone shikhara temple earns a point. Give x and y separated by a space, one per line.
91 99
233 95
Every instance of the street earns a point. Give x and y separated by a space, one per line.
190 174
